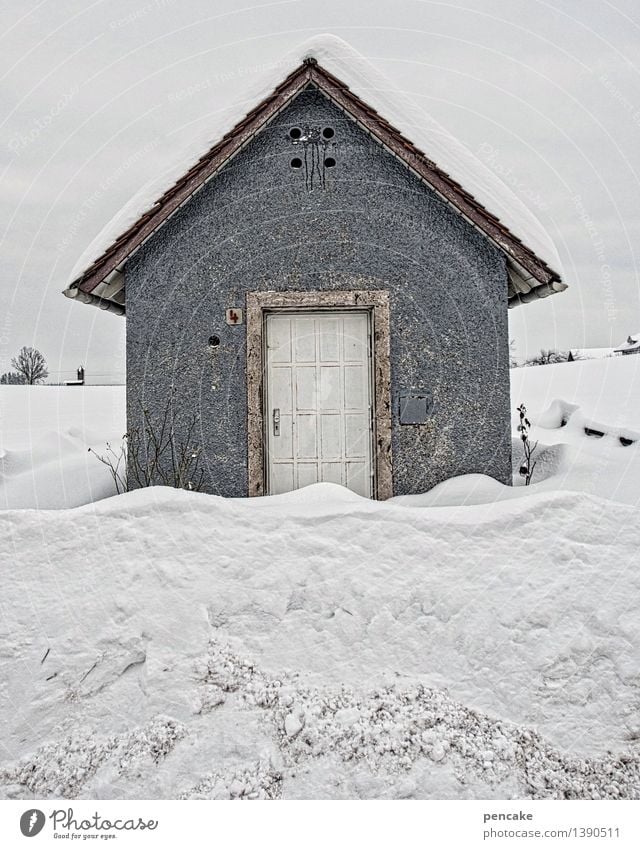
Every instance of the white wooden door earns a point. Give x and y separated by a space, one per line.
318 416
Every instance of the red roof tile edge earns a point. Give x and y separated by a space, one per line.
378 127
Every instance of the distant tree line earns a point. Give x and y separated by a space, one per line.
548 356
545 357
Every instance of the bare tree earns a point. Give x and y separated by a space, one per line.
31 365
12 378
547 356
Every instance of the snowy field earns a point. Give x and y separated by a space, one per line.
44 435
478 641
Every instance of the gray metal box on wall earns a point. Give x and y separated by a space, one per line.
415 407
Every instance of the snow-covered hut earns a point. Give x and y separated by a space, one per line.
631 346
322 299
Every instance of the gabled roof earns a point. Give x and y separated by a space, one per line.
632 344
102 283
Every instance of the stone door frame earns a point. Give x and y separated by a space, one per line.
258 305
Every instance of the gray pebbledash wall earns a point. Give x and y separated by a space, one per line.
375 225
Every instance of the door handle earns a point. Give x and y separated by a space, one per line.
276 421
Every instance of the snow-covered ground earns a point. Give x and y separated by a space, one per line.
165 643
45 432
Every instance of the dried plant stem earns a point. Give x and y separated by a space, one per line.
152 455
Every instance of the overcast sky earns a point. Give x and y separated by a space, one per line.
97 97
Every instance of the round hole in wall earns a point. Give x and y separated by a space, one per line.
328 132
329 162
295 132
296 162
214 341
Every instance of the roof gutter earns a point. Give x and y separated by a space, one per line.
93 300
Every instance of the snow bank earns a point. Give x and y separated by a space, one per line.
392 103
591 411
592 353
606 390
45 432
166 643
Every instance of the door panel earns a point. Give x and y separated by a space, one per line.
357 478
283 388
283 445
307 474
305 384
282 478
330 387
331 435
280 344
330 340
306 442
355 432
304 340
318 400
354 385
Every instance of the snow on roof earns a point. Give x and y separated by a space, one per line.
632 343
592 353
341 60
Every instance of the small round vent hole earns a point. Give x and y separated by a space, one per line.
329 162
295 132
296 163
328 132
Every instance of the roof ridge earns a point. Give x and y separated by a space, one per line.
310 71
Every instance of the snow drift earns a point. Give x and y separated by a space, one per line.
164 644
45 434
